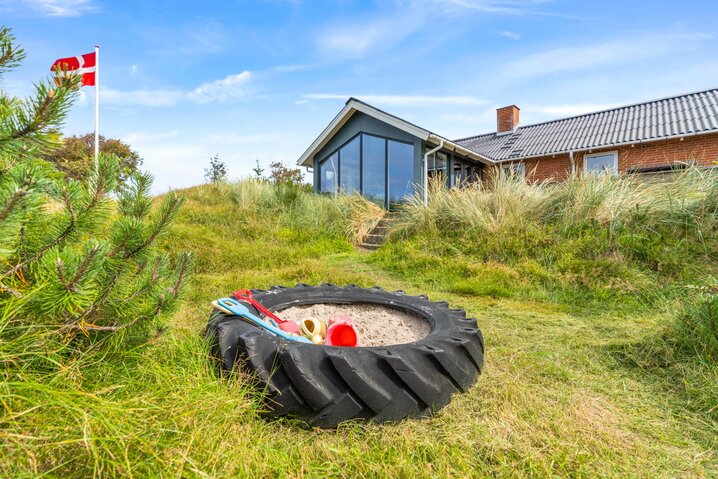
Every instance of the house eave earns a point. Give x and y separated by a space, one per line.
352 106
451 146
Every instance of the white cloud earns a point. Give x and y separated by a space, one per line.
509 7
610 53
403 100
356 38
61 8
499 7
229 88
109 96
696 36
510 34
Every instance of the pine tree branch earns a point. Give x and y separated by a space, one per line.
102 298
83 267
60 268
17 195
61 237
155 275
168 213
83 326
182 272
8 289
10 55
39 121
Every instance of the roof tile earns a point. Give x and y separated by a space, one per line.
680 115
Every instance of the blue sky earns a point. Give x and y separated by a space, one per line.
258 80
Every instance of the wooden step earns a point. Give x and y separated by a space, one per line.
368 246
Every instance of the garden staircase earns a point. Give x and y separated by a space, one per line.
378 234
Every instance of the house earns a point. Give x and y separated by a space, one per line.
387 159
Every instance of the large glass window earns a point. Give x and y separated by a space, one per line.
328 174
362 165
598 163
401 171
349 167
374 168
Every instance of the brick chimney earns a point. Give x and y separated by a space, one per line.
507 119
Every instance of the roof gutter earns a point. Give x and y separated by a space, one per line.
450 145
426 171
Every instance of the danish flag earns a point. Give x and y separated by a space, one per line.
85 65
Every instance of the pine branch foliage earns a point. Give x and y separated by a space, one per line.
78 257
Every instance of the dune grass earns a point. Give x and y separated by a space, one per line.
581 301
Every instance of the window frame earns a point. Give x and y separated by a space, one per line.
513 165
587 156
338 171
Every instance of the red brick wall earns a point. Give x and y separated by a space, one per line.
701 149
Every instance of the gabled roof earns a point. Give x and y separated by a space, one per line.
673 117
353 105
665 118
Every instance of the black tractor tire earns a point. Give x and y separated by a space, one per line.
326 385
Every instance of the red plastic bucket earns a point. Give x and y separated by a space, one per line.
341 334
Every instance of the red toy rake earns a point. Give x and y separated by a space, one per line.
246 295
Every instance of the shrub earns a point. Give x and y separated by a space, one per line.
698 324
78 260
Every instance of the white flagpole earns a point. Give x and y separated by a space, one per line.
97 103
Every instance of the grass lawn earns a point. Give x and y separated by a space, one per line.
572 387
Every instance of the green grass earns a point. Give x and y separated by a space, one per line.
585 372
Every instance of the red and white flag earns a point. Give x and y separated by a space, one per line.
85 65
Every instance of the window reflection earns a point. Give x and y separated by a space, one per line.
401 169
349 167
328 174
374 168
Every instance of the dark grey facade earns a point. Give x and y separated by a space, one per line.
358 142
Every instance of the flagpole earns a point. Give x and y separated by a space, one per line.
97 104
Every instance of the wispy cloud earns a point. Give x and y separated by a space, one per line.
501 7
356 38
232 87
60 8
151 98
228 88
614 52
510 34
402 100
509 7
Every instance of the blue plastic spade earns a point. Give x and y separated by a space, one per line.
237 308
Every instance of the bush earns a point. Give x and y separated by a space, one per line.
77 155
698 324
78 260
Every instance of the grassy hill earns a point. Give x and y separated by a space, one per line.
594 298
